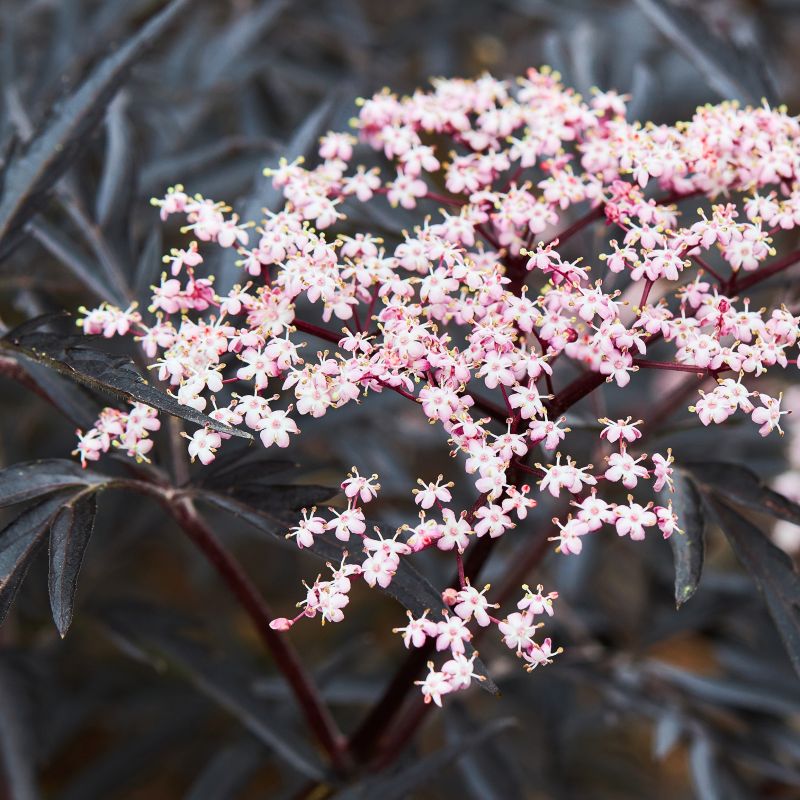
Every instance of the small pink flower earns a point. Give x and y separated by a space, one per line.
275 427
366 488
632 519
432 493
434 686
203 445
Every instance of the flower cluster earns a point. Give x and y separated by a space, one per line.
130 432
480 315
452 634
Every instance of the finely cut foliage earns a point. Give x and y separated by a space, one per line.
313 459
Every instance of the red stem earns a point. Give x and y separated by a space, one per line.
488 236
573 392
286 658
316 330
735 285
700 371
577 226
462 580
648 285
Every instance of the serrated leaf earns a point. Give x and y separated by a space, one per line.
772 570
409 586
31 173
70 532
688 548
19 542
217 676
31 479
743 487
108 374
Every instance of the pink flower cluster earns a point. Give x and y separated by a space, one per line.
129 432
482 297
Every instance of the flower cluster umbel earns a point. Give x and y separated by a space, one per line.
480 297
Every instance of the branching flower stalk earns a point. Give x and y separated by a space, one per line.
480 317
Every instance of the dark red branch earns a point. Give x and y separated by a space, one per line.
286 658
752 278
646 363
316 330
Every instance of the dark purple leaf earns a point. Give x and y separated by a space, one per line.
33 172
34 478
772 570
69 534
157 175
233 466
117 189
72 400
687 547
762 698
108 374
62 248
302 143
242 35
743 487
19 542
489 771
291 497
148 266
719 61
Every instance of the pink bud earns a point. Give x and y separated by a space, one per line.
450 596
281 624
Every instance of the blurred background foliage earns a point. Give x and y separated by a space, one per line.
646 702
